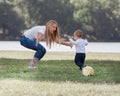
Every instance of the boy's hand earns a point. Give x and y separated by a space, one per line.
70 44
67 36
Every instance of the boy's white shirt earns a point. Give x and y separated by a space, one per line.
32 33
79 45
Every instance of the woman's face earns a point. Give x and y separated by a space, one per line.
53 28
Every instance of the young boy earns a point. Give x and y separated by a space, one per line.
80 48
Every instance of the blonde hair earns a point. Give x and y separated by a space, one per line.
51 37
78 33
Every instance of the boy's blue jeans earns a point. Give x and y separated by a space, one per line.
79 59
28 43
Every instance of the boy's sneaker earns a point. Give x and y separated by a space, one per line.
82 67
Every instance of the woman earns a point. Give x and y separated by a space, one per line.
31 38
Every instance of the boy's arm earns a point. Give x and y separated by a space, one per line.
67 36
72 41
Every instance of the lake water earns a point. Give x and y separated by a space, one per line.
92 47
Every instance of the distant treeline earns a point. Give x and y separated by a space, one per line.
98 19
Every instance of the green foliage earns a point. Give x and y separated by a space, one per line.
10 22
60 70
99 19
45 10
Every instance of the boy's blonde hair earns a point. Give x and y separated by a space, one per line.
51 37
78 33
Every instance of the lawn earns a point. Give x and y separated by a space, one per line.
60 70
57 75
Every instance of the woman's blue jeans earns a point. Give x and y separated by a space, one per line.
28 43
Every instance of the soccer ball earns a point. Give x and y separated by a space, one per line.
88 71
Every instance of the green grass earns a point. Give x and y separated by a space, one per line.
57 75
106 71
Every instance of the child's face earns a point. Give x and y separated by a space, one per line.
75 36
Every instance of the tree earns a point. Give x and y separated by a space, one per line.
10 23
40 11
99 18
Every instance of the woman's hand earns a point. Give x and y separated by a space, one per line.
70 44
36 44
39 37
64 43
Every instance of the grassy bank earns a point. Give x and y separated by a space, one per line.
57 75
